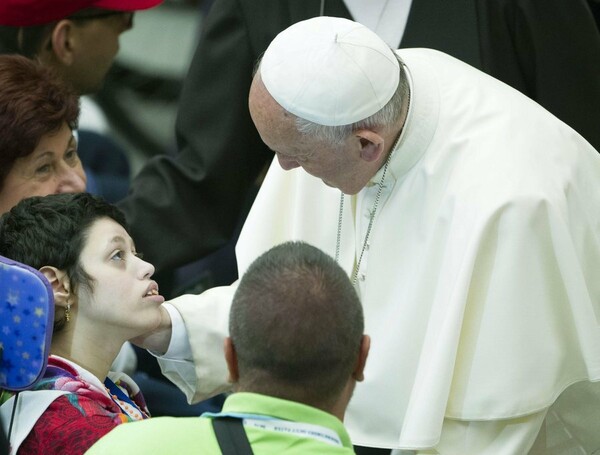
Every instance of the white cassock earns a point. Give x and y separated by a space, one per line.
481 278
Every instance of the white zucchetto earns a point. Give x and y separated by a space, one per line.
329 70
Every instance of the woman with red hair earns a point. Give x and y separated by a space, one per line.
38 151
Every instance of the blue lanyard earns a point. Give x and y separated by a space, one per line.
116 391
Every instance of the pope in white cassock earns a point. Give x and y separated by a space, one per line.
469 220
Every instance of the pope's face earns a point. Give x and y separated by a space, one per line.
337 166
53 167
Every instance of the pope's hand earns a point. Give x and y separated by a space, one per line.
157 340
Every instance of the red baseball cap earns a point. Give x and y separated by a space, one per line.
25 13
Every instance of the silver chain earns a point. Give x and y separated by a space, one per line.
338 239
371 220
373 210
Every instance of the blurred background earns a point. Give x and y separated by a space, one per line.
138 103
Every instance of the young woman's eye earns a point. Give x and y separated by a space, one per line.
118 256
138 255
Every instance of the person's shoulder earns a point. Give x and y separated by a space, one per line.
73 407
66 427
160 426
156 435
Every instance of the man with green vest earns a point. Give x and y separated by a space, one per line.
295 351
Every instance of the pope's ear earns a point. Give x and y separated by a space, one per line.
60 283
371 144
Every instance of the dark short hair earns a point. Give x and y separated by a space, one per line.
52 230
34 102
296 323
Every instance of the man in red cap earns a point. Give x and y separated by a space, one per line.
78 38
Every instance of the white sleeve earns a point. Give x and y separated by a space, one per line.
177 363
194 360
179 345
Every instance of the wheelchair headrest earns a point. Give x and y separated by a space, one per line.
26 322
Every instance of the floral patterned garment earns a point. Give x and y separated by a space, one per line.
75 421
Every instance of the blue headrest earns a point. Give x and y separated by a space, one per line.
26 321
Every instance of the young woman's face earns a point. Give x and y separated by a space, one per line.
123 297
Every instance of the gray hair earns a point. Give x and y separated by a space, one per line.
387 115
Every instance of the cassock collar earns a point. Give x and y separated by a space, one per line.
421 120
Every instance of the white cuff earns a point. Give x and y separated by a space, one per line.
179 345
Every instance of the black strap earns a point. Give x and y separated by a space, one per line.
231 436
12 417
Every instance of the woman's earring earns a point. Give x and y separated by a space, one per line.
68 313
